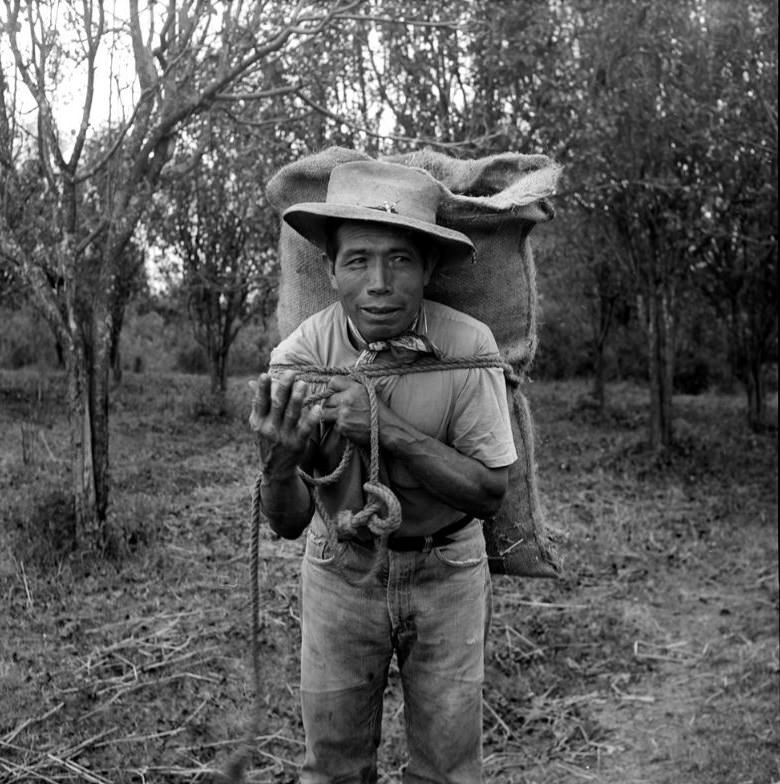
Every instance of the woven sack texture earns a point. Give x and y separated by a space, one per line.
495 200
516 539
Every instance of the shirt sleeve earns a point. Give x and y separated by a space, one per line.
296 349
480 426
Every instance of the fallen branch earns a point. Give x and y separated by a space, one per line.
9 738
498 718
24 770
665 652
74 767
548 605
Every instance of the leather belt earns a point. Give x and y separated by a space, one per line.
441 537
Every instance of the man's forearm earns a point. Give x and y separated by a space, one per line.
287 503
460 481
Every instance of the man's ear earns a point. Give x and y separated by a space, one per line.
331 265
429 265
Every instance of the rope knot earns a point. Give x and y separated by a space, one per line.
379 525
346 522
381 513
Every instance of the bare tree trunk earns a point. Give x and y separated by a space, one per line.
116 365
101 365
660 349
60 351
223 359
81 442
218 379
605 308
756 397
214 374
115 354
746 367
667 349
598 390
651 325
87 371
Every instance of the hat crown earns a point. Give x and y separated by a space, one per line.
389 188
389 194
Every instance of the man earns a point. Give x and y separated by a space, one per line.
445 446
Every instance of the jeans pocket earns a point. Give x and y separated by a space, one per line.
321 551
464 552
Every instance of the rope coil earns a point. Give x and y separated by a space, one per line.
381 513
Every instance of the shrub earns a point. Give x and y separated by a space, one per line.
131 523
45 525
192 360
561 353
25 340
692 375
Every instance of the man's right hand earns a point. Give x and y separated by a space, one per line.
282 420
284 424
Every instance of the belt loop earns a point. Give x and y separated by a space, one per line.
428 546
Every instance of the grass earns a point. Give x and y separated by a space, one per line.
654 658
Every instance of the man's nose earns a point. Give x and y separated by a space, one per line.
379 278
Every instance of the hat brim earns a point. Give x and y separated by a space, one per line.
310 220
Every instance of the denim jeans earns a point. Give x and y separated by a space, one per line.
432 609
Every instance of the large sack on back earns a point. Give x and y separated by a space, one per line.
496 201
516 540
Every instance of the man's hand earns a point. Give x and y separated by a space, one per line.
282 420
348 410
284 424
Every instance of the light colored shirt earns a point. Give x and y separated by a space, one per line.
463 408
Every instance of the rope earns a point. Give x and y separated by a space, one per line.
381 513
345 522
315 373
234 771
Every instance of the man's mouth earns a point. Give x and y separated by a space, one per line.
379 310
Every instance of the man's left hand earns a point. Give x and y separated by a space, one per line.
348 410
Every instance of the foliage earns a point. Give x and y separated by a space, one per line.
68 214
736 253
25 339
221 233
664 88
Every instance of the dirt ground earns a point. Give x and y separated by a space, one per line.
654 660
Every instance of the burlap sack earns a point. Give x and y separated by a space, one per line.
516 540
496 201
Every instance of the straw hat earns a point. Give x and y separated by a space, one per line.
389 194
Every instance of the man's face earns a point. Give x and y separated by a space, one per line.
379 273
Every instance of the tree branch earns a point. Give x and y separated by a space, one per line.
256 96
447 25
394 137
93 43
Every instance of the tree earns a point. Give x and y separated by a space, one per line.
596 279
736 255
642 165
681 149
222 233
130 281
187 57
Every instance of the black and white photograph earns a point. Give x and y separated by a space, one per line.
389 392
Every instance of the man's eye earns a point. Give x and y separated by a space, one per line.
356 261
400 259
